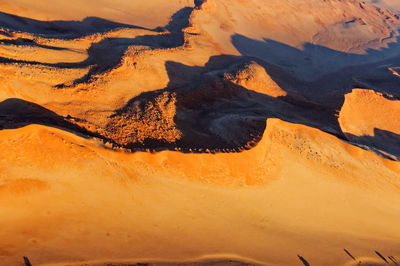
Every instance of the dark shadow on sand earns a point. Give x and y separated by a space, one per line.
104 55
312 61
216 114
17 113
328 74
213 113
384 143
60 29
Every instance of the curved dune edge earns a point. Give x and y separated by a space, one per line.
371 118
364 111
299 190
129 12
256 166
216 259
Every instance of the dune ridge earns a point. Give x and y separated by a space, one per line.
275 167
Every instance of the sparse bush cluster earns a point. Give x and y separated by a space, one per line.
154 121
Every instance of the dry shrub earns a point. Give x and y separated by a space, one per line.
154 121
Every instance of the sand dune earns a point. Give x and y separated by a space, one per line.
123 11
370 118
255 204
306 37
199 132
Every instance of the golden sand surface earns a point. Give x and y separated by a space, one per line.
246 132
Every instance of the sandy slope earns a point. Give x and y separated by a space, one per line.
133 12
390 4
370 118
134 136
300 191
365 110
311 38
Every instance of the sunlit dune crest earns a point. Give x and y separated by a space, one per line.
206 132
